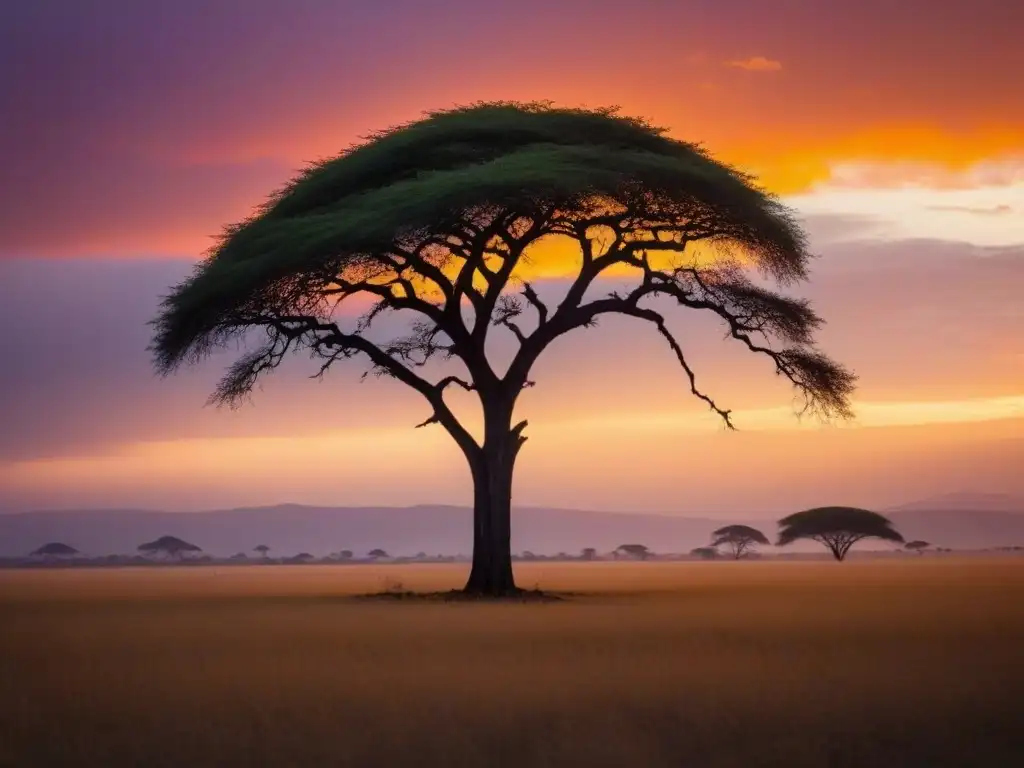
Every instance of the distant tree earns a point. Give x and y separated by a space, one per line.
345 554
917 546
421 555
838 528
302 557
738 539
376 554
636 551
438 219
239 556
169 546
705 553
588 553
528 555
55 549
263 549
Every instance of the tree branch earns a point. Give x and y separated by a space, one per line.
534 299
449 380
328 341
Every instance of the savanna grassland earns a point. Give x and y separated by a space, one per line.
901 662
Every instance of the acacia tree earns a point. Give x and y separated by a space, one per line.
263 549
436 219
739 539
838 528
637 551
169 546
55 549
917 546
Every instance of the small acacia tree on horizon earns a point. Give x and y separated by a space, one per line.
169 546
636 551
838 528
55 549
917 546
740 540
263 550
438 219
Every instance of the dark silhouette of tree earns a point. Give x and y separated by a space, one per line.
917 546
55 549
263 549
345 554
302 557
376 554
838 528
588 553
435 219
636 551
169 546
704 553
528 555
738 539
239 556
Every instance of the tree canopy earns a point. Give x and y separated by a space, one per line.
838 528
168 545
436 219
55 549
740 539
639 551
917 546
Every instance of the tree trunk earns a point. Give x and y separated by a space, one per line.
491 468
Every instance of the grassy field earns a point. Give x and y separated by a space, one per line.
916 661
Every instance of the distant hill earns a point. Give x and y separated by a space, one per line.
965 500
288 529
319 530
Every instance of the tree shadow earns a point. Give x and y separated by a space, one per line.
459 596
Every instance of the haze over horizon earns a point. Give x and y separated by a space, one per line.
130 141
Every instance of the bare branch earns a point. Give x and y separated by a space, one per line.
534 299
327 341
449 380
659 321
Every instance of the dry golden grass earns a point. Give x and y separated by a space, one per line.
917 661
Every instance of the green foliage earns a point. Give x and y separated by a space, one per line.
417 180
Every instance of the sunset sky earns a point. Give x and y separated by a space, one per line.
133 131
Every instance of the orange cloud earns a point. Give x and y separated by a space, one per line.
756 64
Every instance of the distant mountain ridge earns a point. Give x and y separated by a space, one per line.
965 500
441 529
